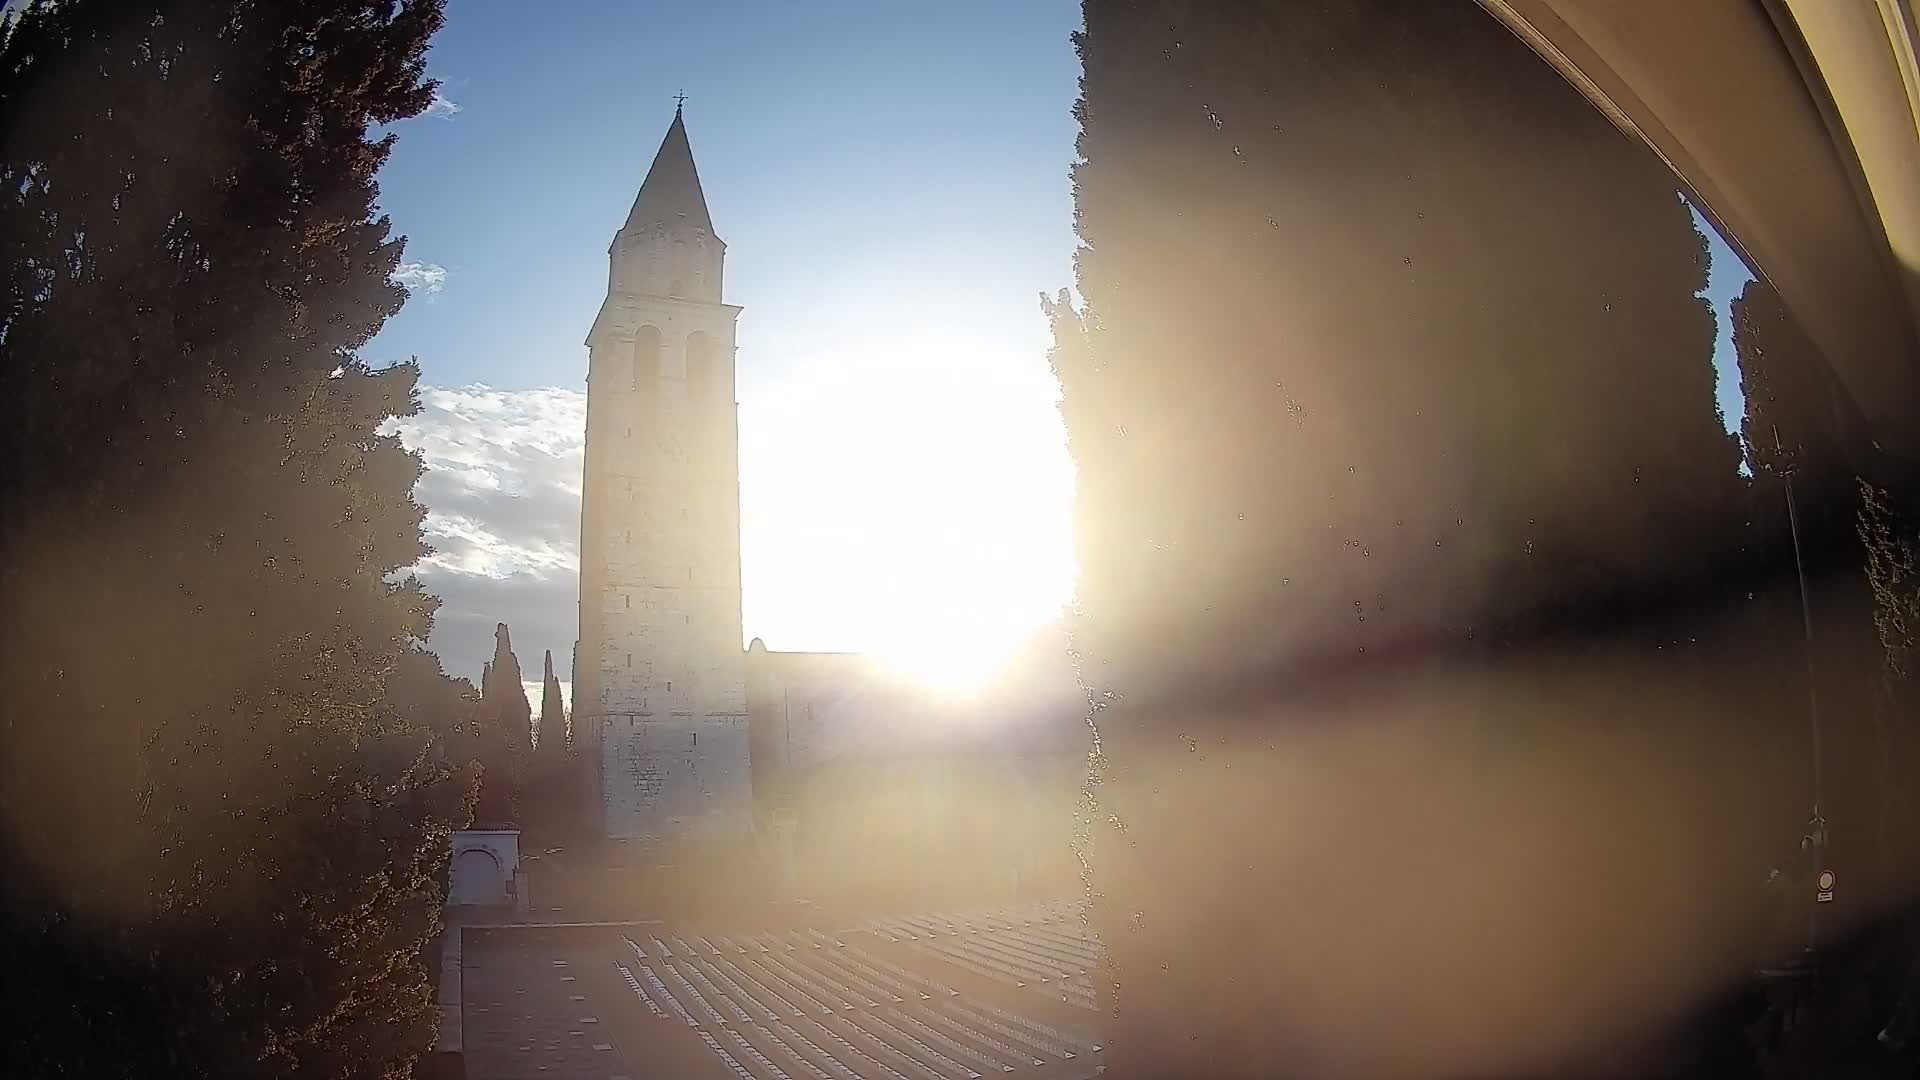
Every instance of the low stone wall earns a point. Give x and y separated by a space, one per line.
447 1060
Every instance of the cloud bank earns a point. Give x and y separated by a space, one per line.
502 491
418 277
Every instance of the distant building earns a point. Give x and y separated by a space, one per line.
900 795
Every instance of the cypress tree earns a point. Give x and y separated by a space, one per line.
552 746
549 782
1800 422
506 735
1802 428
225 833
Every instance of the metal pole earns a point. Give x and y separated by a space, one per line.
1816 837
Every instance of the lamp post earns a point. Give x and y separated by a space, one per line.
1814 842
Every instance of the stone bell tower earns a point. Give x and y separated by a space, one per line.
660 685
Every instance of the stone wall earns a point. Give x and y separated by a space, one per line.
674 775
660 559
660 684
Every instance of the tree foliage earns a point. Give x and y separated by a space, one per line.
552 746
1390 355
224 816
550 786
1893 574
1345 328
505 735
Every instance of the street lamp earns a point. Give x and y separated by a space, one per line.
1814 842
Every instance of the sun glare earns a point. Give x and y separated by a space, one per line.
956 645
972 576
930 527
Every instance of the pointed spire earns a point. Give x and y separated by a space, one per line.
671 193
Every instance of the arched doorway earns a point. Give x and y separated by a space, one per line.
477 879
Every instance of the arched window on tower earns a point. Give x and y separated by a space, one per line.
646 357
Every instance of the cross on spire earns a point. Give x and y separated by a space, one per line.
679 102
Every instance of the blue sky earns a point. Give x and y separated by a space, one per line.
1726 276
891 217
855 161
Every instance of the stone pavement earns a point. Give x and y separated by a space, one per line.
943 997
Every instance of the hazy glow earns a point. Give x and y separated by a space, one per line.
912 504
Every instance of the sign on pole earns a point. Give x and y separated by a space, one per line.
1826 887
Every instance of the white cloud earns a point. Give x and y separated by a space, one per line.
417 276
441 105
502 492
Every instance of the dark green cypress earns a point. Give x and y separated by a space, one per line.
552 746
506 736
225 834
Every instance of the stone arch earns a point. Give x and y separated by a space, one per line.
646 357
478 878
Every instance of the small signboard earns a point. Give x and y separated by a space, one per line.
1825 894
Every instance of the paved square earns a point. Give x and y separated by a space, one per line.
925 997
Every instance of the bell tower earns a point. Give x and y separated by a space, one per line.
660 679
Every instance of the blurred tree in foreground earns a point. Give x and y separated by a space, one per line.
1854 548
224 813
1406 521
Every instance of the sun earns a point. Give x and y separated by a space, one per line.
928 524
956 658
